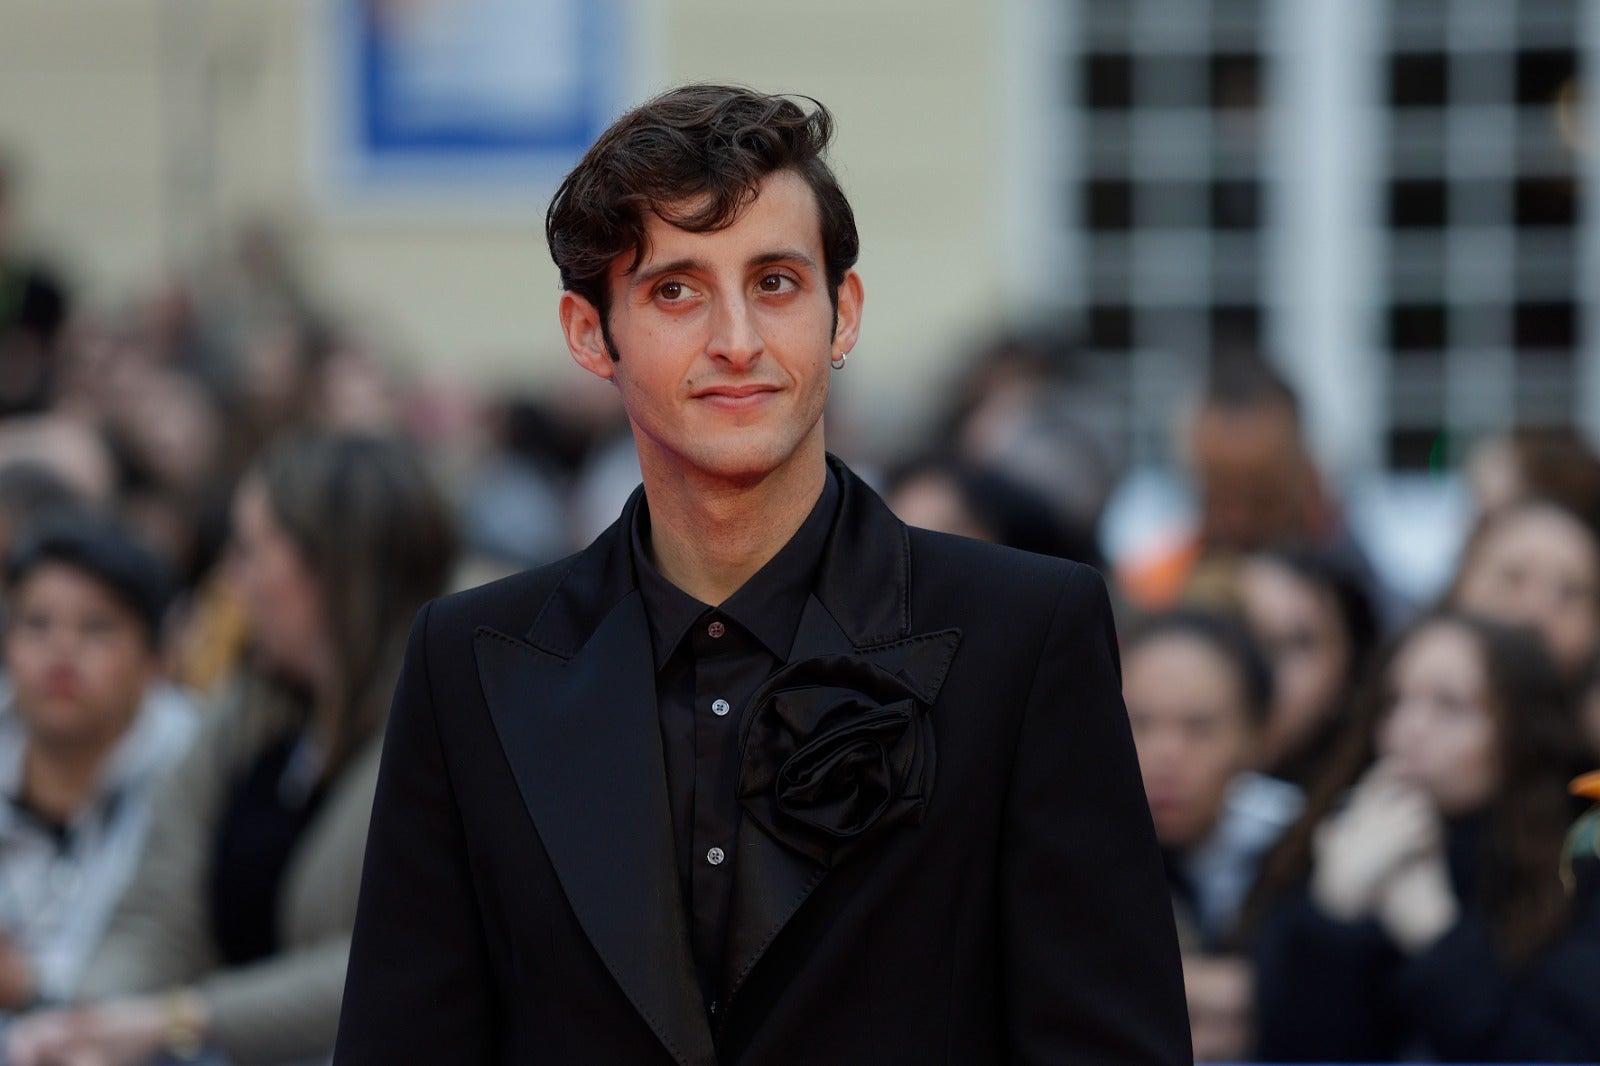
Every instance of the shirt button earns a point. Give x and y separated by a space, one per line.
716 629
715 856
720 708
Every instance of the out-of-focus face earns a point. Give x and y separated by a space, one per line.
1439 732
78 658
1193 730
1255 483
282 598
1539 567
1298 625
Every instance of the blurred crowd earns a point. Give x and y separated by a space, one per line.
221 505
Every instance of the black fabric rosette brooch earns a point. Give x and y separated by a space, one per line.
835 750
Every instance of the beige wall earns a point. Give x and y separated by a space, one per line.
111 103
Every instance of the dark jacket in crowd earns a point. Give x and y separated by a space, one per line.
1330 991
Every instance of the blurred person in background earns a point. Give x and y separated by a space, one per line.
1198 692
1419 910
87 732
1534 563
943 493
32 493
34 305
514 508
70 449
1549 463
232 939
1314 619
1257 484
1024 407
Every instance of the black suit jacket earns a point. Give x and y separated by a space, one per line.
521 902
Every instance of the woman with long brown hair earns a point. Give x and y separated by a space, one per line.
232 940
1419 903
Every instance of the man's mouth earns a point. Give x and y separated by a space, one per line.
736 397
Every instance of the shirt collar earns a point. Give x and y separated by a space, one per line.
768 605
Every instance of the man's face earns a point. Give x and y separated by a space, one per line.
723 339
1255 481
78 658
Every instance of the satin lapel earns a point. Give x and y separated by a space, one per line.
770 881
584 742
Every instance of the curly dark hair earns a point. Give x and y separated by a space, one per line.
695 156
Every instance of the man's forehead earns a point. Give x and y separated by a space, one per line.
783 204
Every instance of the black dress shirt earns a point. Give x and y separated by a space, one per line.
708 662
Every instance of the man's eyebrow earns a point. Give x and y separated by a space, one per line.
784 255
689 264
645 277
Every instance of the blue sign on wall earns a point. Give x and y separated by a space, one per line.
485 96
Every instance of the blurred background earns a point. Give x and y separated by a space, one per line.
1276 311
1383 199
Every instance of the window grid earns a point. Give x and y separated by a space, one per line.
1483 319
1169 192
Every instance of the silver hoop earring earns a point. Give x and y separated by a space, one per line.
838 364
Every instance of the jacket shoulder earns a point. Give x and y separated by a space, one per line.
962 565
508 605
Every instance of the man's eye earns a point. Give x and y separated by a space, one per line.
670 290
775 283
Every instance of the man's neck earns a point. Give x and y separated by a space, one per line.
58 780
709 538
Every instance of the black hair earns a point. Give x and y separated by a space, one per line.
1225 635
1357 613
101 549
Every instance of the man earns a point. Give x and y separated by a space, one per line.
87 732
761 776
1257 486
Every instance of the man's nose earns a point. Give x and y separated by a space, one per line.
734 337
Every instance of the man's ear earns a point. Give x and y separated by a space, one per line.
848 330
586 339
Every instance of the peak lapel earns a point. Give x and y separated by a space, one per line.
584 742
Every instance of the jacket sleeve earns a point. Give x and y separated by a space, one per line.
157 936
1091 966
1321 987
284 1008
1471 1006
419 987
